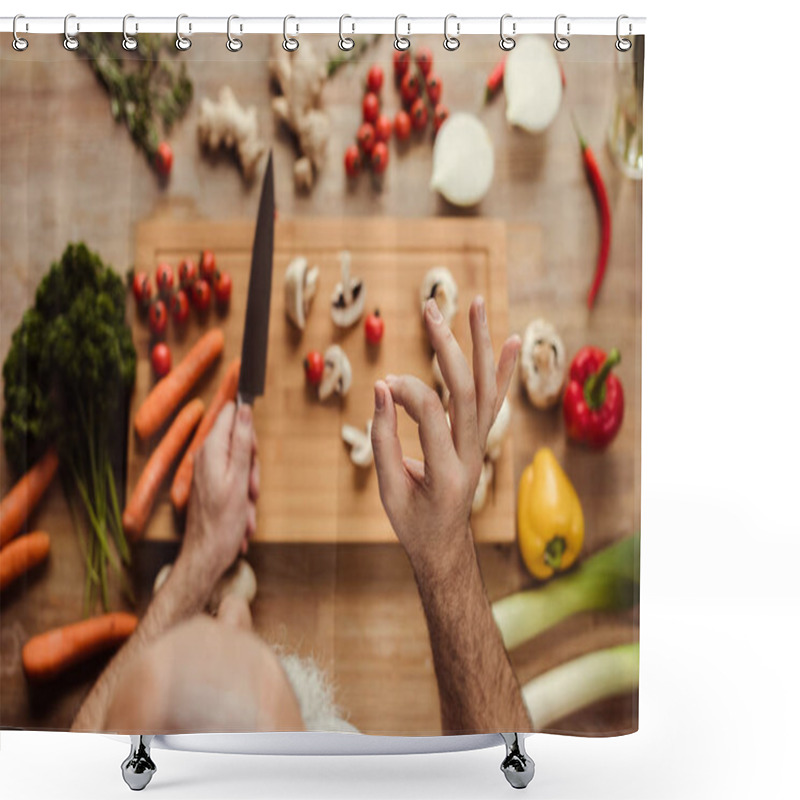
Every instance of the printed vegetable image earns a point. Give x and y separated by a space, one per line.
549 517
182 482
47 655
140 503
168 393
21 555
594 402
67 377
544 364
314 365
533 87
463 160
299 287
161 359
18 504
495 80
606 581
373 327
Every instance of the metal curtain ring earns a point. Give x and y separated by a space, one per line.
290 43
345 42
451 43
401 42
18 43
507 42
128 42
560 43
181 41
623 45
70 41
233 44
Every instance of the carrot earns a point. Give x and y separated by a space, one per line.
21 555
173 387
20 501
47 654
140 503
182 482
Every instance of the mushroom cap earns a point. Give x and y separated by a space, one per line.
360 443
482 490
498 431
300 286
440 285
544 363
349 296
337 374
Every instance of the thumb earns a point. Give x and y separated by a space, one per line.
242 439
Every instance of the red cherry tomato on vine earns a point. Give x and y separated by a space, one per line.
379 158
163 159
179 306
375 78
370 107
383 128
161 359
352 161
366 137
208 265
142 288
419 114
440 114
165 278
373 328
222 289
424 60
434 86
314 365
402 125
187 273
409 87
401 60
201 294
157 317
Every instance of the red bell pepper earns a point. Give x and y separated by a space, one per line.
593 400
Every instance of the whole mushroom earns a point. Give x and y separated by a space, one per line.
544 364
347 303
360 444
440 285
300 286
337 374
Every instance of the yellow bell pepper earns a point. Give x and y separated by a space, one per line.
549 517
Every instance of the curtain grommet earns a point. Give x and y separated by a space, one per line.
182 42
18 43
451 43
129 42
290 43
623 45
401 42
346 43
507 42
561 43
233 44
70 41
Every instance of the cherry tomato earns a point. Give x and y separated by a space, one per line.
157 316
165 278
142 288
222 289
366 137
179 306
352 161
314 364
434 86
409 87
161 359
187 273
375 78
379 158
401 60
208 265
383 128
201 294
373 328
371 107
163 159
424 60
419 114
440 114
402 125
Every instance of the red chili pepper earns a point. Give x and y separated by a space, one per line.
593 400
601 196
495 80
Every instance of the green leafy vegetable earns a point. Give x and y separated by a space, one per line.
66 378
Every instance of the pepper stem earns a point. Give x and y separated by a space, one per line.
554 552
575 125
594 389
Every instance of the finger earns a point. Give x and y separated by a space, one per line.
255 479
505 369
219 437
415 468
242 440
458 379
482 368
386 447
250 528
424 406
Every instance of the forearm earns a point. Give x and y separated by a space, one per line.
478 690
184 594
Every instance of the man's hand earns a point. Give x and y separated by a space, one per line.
222 506
429 503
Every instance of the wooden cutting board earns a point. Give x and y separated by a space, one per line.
310 490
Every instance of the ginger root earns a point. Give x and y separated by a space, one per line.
227 124
299 79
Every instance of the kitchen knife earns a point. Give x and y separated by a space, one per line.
253 371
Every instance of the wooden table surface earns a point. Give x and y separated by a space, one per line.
68 172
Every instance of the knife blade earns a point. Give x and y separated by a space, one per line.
253 371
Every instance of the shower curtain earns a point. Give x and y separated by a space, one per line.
413 188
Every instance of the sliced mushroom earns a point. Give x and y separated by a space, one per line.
484 482
438 379
544 363
360 444
300 286
440 285
347 303
498 431
337 374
